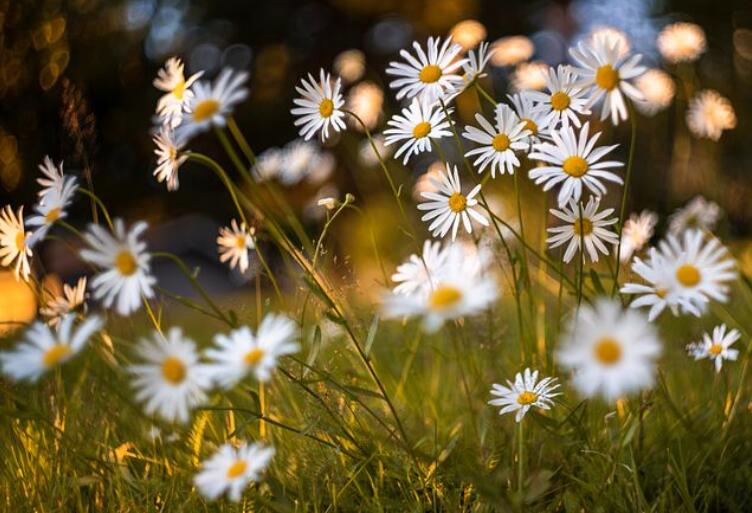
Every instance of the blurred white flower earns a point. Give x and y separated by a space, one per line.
176 101
169 158
365 101
230 470
511 50
698 213
416 126
350 65
234 244
14 242
525 393
56 307
320 107
610 36
53 178
637 231
584 225
709 114
529 76
52 204
299 160
681 42
498 141
468 33
658 90
419 273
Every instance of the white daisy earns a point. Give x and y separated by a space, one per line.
51 207
230 470
525 393
44 348
53 177
171 380
637 231
529 76
417 273
611 36
169 158
606 74
126 273
611 351
477 60
656 292
575 161
320 107
447 207
534 116
584 225
234 243
709 114
681 42
498 142
698 213
242 353
304 160
171 80
564 101
716 346
14 242
268 164
658 90
431 75
56 307
417 125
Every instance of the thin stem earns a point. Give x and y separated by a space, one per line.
227 145
520 458
324 231
241 140
95 199
627 180
220 172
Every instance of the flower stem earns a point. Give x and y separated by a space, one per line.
625 192
520 459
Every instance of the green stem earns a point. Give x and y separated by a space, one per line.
220 172
100 204
241 140
520 459
627 180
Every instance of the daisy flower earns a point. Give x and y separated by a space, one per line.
418 273
473 69
534 116
304 160
55 308
611 36
585 225
169 159
431 74
637 231
498 141
709 114
320 106
448 206
51 206
14 242
574 161
529 76
230 470
606 74
234 243
53 177
658 90
212 103
45 348
681 42
268 164
417 125
178 94
171 380
563 100
698 213
126 273
716 346
241 352
525 393
656 291
611 351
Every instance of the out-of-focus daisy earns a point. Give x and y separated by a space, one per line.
14 242
656 292
607 74
44 348
658 90
418 273
56 307
709 114
416 126
126 272
636 233
320 107
366 153
178 94
511 50
498 142
431 74
350 65
564 102
716 346
584 225
611 36
51 207
53 178
534 116
230 470
681 42
468 33
242 353
428 180
449 206
169 158
365 101
171 380
574 161
234 244
212 103
529 76
611 351
698 213
268 164
525 393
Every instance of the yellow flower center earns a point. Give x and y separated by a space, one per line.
240 242
173 370
53 215
583 227
575 166
500 142
253 356
527 398
715 349
457 202
421 130
20 241
607 77
326 108
236 469
530 125
55 354
607 351
688 275
125 263
179 90
430 74
560 100
444 296
205 110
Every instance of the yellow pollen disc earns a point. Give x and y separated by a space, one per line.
430 74
457 202
444 296
237 469
607 351
55 354
560 100
179 90
688 275
715 349
530 125
500 142
53 215
607 77
21 242
575 166
583 227
240 242
527 398
205 110
173 370
422 129
125 263
326 108
253 356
